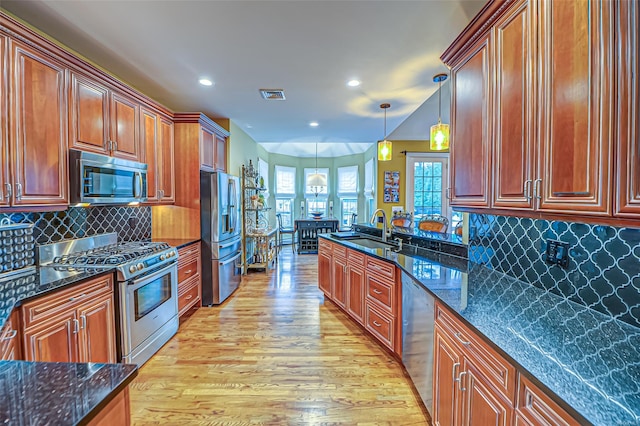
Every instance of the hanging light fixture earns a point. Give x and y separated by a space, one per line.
384 146
317 181
439 139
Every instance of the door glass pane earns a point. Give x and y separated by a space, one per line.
151 295
427 192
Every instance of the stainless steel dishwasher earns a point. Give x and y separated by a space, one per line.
418 315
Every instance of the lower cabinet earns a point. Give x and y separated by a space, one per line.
189 278
10 339
116 412
535 408
365 288
72 325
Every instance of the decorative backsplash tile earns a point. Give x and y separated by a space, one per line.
131 223
604 261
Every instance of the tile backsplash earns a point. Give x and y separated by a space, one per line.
604 261
131 223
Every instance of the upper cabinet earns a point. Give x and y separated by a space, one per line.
628 113
103 120
533 92
213 149
37 157
157 139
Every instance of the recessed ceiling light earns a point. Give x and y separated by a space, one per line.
313 124
353 83
249 126
206 82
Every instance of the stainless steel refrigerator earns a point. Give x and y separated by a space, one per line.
220 227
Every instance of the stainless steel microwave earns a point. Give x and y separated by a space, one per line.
100 179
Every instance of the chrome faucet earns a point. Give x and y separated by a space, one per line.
384 223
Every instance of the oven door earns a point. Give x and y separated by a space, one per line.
150 302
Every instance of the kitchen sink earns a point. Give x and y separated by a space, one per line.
371 243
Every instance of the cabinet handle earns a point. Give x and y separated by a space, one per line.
76 326
464 342
453 371
527 189
376 323
9 190
529 400
18 191
448 193
376 291
84 322
537 193
73 299
188 271
462 389
115 145
11 335
188 297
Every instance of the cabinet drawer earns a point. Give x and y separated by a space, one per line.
380 267
537 408
355 257
340 250
380 325
61 301
325 246
190 250
188 294
9 339
493 366
189 270
380 292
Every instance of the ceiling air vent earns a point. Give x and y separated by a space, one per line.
273 94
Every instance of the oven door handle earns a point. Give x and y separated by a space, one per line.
139 282
226 262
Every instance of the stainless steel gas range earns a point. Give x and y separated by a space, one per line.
147 290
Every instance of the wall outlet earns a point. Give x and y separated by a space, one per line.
557 253
396 210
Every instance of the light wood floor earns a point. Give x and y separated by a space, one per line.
275 353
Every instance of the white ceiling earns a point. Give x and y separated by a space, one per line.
308 48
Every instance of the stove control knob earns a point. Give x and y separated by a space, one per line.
132 268
162 257
172 253
140 266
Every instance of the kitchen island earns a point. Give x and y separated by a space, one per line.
586 362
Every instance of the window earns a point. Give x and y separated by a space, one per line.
316 202
368 187
348 193
285 189
429 174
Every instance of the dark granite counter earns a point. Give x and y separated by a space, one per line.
587 361
176 242
43 393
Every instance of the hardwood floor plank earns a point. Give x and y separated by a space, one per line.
275 353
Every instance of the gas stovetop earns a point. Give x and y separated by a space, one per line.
130 259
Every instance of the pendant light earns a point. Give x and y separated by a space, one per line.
439 139
384 146
317 181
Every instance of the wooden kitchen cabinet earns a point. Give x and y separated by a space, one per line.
535 408
628 114
157 139
446 369
356 287
207 150
103 120
71 325
38 130
220 162
470 127
189 277
4 122
339 276
10 339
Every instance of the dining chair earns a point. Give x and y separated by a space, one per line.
433 223
285 230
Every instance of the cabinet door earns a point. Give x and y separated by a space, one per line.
513 157
339 291
324 272
207 150
56 340
97 337
10 340
89 110
628 114
576 63
355 299
446 370
470 127
124 127
221 153
166 179
152 153
535 408
4 123
481 405
39 129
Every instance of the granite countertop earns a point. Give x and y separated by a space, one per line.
176 242
590 361
45 393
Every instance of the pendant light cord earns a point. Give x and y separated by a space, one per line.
439 102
